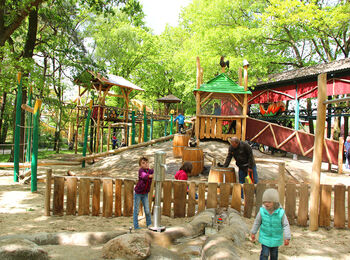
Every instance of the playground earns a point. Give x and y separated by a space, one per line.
19 205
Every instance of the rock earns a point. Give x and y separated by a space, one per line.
21 249
128 246
218 247
161 253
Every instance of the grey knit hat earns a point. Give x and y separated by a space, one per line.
270 195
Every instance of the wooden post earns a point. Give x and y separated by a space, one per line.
340 155
77 131
240 76
281 182
245 102
17 128
48 192
317 155
109 137
198 99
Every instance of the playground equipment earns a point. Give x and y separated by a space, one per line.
179 143
32 147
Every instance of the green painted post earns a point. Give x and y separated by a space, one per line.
145 138
171 124
133 127
29 126
87 122
17 128
151 129
34 165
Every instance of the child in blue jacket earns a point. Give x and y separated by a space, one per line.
181 120
273 224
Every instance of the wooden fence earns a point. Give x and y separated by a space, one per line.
109 197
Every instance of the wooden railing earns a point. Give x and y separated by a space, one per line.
109 197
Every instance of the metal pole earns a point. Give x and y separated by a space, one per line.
159 177
34 164
171 124
17 128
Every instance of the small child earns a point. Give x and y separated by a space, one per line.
273 224
184 171
142 189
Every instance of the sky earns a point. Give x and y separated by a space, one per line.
158 13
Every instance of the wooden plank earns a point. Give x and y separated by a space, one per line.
167 197
212 128
180 190
71 205
58 195
339 206
225 189
212 200
303 209
107 209
325 205
349 207
201 197
236 201
118 198
248 190
202 128
191 207
128 198
96 197
219 128
207 128
84 197
291 193
260 188
239 128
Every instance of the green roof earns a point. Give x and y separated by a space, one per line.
222 84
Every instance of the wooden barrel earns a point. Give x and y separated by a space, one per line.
220 175
179 143
195 156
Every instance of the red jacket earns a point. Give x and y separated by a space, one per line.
181 175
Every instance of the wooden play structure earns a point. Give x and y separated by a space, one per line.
230 97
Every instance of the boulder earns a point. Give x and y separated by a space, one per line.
21 249
129 246
161 253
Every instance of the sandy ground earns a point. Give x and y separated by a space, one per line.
23 212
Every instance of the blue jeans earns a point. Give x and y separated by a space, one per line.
266 251
242 174
144 199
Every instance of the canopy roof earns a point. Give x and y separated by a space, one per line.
169 99
222 84
88 78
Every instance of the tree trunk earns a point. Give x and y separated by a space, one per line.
2 111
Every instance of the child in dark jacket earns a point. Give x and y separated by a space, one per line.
273 224
184 171
142 189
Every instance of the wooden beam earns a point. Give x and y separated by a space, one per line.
239 102
27 108
340 155
317 155
206 98
326 102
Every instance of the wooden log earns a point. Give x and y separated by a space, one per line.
84 197
248 190
325 206
225 189
260 188
118 198
191 207
96 197
48 192
71 205
236 201
58 195
340 155
128 198
317 155
180 189
212 199
201 197
281 182
290 202
107 198
303 208
339 206
167 198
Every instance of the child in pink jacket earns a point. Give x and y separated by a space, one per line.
184 171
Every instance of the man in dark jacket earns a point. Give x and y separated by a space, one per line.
243 154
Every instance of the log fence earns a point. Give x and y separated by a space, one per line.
109 197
